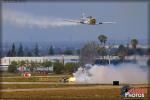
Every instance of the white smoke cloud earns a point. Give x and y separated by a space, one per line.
28 20
124 73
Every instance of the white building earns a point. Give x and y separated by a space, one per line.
6 61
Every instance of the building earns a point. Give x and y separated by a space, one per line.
6 61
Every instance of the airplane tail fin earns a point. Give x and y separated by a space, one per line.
83 16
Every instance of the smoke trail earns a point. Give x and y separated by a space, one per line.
25 19
124 73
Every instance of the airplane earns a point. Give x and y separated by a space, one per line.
88 20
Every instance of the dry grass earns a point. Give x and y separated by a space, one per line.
62 91
19 78
72 93
81 94
30 86
32 79
7 74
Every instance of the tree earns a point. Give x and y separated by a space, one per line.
68 52
51 51
102 39
33 65
70 67
9 53
89 53
102 50
20 51
21 63
122 51
12 68
134 43
13 50
58 68
47 64
36 50
29 54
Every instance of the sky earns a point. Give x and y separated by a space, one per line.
44 21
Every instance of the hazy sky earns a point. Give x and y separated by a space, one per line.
37 21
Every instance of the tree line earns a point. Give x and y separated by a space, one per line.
13 51
92 50
35 51
58 67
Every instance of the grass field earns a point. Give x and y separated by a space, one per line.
29 86
54 90
31 79
19 78
65 92
7 74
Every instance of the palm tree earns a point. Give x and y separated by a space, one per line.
134 43
102 39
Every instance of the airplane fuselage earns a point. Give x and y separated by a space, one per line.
90 21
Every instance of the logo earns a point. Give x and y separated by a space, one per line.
130 92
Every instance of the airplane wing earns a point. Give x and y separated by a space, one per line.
107 22
76 21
